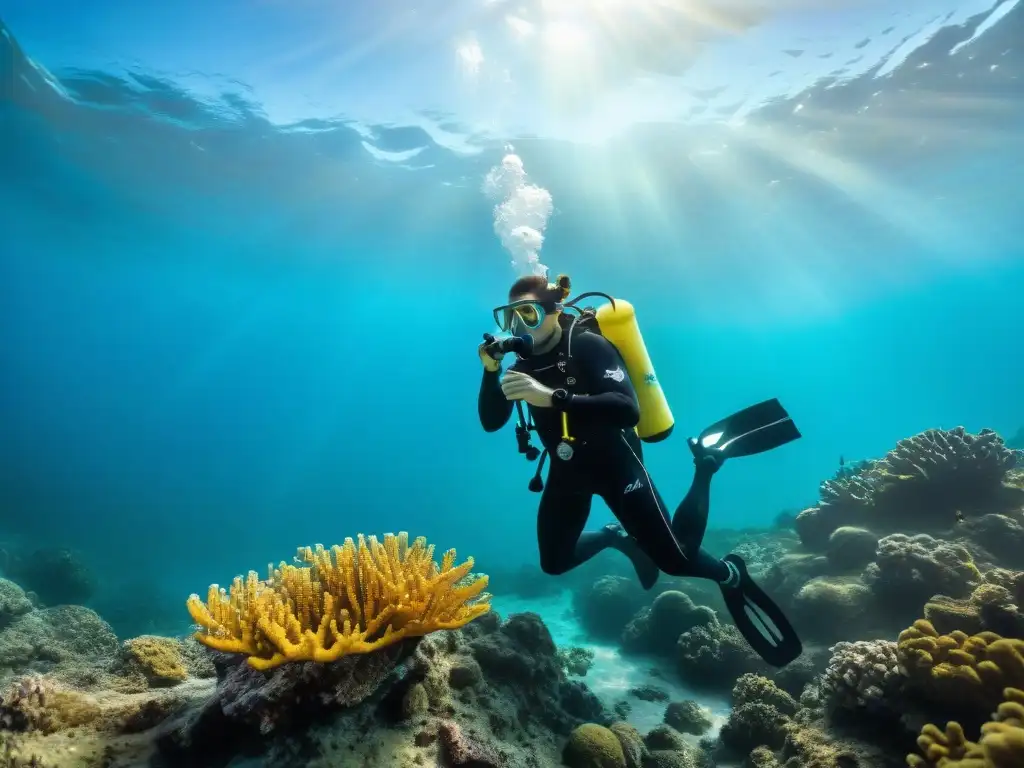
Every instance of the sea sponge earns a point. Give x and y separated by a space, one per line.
351 600
1001 744
593 746
159 659
962 671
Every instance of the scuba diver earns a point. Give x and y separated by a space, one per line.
592 396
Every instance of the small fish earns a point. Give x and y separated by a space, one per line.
959 516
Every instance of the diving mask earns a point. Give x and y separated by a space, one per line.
525 315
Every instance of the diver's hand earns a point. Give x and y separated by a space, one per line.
519 386
491 362
705 461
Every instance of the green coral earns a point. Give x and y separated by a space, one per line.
632 743
593 746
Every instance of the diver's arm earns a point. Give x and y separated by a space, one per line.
491 405
612 401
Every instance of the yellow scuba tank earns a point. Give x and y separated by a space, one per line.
618 324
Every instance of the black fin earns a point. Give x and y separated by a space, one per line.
748 419
756 429
762 439
761 622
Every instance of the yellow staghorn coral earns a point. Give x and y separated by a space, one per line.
1001 744
941 748
350 599
961 668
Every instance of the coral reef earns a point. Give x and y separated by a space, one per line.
920 486
850 547
55 576
47 638
373 654
352 600
493 693
910 569
990 607
576 661
301 690
714 655
656 629
760 715
824 609
607 605
1002 535
13 602
687 717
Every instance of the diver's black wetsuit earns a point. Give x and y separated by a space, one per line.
607 461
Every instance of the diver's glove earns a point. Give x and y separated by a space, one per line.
490 356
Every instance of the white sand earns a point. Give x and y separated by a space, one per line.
612 676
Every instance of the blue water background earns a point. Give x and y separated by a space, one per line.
223 337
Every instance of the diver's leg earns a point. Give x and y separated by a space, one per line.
638 505
627 489
691 516
690 520
561 517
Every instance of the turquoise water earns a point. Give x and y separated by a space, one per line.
245 261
